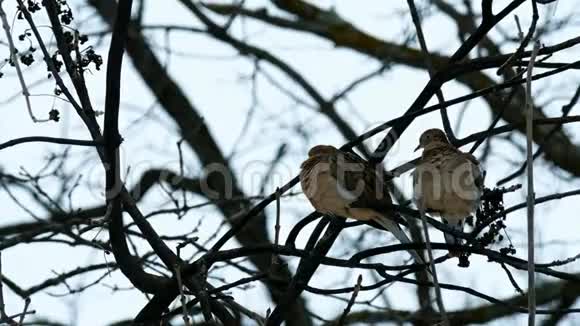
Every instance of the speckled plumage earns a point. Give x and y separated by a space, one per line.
447 181
343 184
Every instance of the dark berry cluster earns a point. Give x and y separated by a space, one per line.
23 36
509 250
90 56
27 59
32 6
54 115
69 38
72 39
56 62
492 212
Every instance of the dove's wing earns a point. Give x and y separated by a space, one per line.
466 178
371 196
477 171
360 181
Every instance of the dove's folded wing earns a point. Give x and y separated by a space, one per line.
361 182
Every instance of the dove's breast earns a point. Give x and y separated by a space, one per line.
323 191
447 185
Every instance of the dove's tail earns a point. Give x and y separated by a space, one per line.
452 240
396 230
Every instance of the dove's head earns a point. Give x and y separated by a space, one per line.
322 150
432 136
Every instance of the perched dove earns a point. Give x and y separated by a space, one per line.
343 184
447 182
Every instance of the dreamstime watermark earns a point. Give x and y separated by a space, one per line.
344 180
137 176
214 181
217 181
453 184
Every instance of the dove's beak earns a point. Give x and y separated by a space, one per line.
418 147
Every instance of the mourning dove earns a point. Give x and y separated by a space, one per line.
343 184
447 181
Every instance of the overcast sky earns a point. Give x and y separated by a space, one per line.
216 80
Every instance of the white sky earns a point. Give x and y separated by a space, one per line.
211 74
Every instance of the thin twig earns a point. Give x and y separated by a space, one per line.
4 318
512 279
43 139
351 301
2 311
14 59
24 311
530 195
524 41
540 150
233 16
438 295
277 226
431 70
181 172
182 296
50 65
